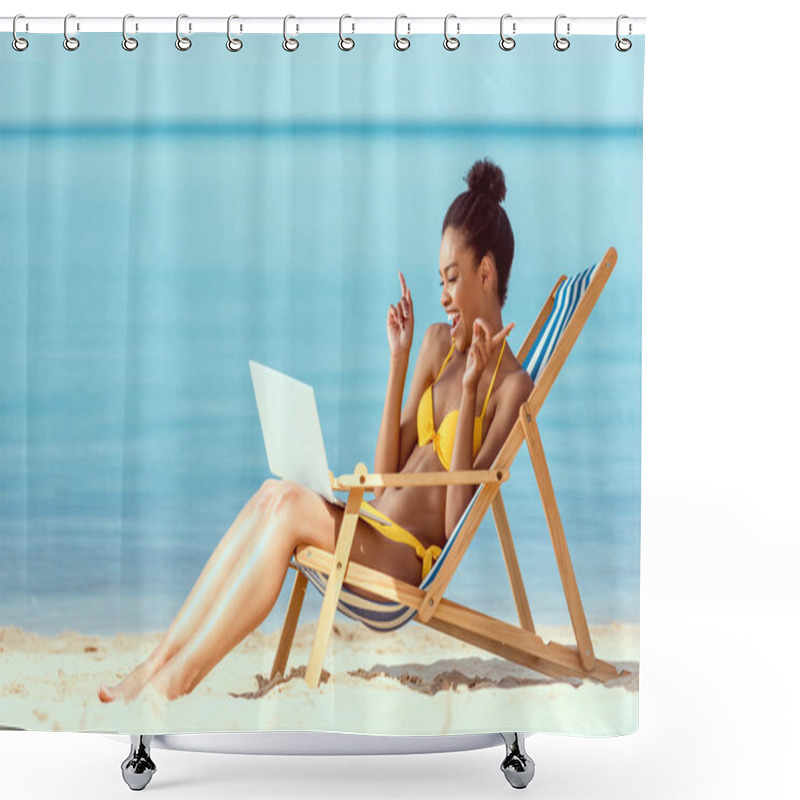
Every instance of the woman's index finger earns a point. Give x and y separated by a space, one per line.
503 333
403 283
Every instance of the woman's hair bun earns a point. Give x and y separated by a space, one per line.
486 177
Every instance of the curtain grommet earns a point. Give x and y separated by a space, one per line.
233 44
289 44
70 42
507 42
128 42
345 42
451 42
561 43
182 42
18 43
400 42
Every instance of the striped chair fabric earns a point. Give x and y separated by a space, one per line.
388 615
566 301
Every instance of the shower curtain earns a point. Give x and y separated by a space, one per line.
177 224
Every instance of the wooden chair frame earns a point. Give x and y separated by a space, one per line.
518 643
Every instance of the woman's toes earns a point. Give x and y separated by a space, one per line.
105 693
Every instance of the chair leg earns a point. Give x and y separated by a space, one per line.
517 766
334 588
290 624
570 585
512 564
138 768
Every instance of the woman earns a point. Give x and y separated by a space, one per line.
243 578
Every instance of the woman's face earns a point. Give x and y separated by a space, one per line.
463 286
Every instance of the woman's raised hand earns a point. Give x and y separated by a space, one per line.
400 322
480 351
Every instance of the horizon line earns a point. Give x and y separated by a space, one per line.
325 128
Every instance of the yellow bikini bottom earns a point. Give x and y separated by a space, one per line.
391 530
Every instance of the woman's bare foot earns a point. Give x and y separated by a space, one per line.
167 683
129 687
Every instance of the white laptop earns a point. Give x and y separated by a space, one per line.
292 433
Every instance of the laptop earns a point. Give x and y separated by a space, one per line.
292 434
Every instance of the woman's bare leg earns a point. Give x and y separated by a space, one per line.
296 515
202 598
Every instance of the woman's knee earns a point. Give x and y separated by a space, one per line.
269 484
278 496
296 515
266 492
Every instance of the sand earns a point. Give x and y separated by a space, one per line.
415 681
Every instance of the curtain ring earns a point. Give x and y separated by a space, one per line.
18 43
181 42
400 42
506 42
233 44
289 44
345 42
70 42
128 42
451 42
623 45
560 43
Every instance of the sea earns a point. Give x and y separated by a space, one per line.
150 251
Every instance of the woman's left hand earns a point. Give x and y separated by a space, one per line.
480 351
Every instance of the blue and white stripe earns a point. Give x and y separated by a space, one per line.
566 301
386 615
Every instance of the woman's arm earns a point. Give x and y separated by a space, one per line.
516 389
434 346
387 449
398 433
459 495
400 332
508 400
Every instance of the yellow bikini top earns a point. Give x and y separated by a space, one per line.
444 439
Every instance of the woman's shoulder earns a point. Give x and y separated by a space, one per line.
439 335
516 383
436 343
521 381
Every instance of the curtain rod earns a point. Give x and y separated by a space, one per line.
408 26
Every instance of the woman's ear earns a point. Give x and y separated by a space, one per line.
487 272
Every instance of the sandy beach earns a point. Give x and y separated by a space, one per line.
415 681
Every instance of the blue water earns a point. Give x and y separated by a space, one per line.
156 239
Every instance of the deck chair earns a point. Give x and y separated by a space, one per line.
543 353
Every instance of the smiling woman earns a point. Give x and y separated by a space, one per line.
473 289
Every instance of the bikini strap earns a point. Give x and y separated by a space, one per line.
444 363
486 401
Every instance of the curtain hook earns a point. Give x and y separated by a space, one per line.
507 42
233 44
623 45
70 42
345 42
289 44
451 42
400 42
182 42
128 42
18 43
561 43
